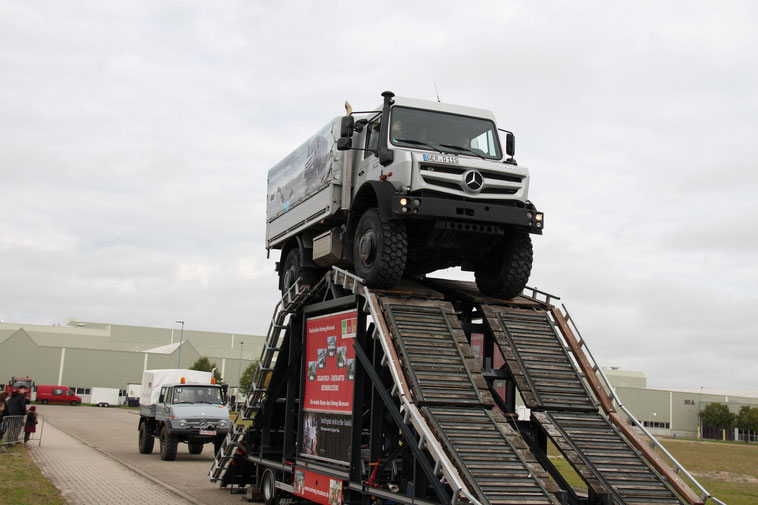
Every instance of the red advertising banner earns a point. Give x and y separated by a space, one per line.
317 488
330 362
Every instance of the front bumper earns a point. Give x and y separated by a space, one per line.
471 212
175 428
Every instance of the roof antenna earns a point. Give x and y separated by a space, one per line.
436 91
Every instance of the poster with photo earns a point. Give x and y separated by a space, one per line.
317 488
328 395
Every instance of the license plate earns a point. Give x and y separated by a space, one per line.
441 158
207 432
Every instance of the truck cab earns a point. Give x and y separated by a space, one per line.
403 190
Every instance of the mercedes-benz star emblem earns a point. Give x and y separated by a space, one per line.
473 180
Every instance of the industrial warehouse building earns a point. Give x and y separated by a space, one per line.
82 355
672 412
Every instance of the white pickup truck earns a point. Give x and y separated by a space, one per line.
403 190
181 406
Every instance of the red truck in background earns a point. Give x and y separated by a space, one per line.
17 382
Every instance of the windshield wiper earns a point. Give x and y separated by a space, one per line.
466 149
419 143
177 403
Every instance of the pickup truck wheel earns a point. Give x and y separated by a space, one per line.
146 440
268 487
505 271
293 268
195 447
169 445
380 249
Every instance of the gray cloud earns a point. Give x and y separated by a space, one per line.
135 142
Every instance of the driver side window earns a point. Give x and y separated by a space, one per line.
372 138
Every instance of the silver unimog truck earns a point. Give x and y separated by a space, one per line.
180 405
404 190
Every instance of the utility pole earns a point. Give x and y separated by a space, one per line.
239 373
181 339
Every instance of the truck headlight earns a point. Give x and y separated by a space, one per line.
538 217
223 423
182 423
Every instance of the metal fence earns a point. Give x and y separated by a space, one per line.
12 431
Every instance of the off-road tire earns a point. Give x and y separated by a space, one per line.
504 272
292 268
195 447
169 444
380 249
268 487
145 441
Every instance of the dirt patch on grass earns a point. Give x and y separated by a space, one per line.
727 477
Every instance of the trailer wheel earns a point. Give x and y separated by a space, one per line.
195 447
169 445
380 249
146 440
268 487
504 272
293 268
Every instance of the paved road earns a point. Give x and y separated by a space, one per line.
114 430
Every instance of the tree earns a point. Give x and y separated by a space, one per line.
248 375
747 420
204 365
717 415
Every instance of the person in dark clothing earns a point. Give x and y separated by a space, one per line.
31 423
16 406
3 397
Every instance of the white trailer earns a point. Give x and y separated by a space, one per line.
133 393
104 397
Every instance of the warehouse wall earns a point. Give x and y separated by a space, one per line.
21 357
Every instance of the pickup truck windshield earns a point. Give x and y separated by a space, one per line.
197 394
440 131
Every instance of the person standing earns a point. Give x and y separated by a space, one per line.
3 397
16 406
31 423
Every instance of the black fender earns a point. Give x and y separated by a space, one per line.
372 194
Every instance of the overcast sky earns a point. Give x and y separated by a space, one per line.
135 139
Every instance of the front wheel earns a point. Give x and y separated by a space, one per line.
74 403
380 249
504 271
44 402
169 444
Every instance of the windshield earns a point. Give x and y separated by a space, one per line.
197 394
440 131
18 383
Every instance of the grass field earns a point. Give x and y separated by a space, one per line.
728 470
22 483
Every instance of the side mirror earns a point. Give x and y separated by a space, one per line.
510 144
161 398
347 126
344 144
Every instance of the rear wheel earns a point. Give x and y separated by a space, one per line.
504 272
293 268
146 440
380 249
195 447
44 402
268 487
169 445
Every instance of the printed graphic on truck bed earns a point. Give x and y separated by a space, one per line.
328 396
288 181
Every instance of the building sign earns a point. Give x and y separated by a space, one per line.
317 488
330 375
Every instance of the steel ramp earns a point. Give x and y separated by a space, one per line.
446 383
553 388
